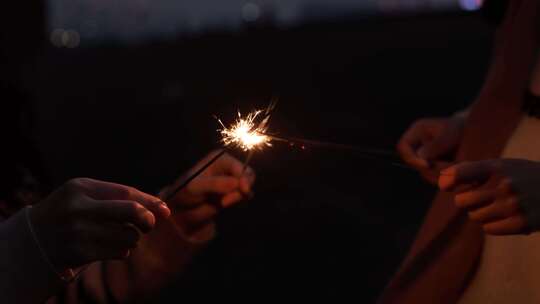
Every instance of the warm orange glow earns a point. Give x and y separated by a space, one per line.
247 133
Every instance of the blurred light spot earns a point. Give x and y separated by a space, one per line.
73 39
62 38
56 37
251 12
470 5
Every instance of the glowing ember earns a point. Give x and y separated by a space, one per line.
247 133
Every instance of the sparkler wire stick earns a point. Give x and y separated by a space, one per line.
377 154
188 180
246 162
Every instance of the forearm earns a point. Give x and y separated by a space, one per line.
25 277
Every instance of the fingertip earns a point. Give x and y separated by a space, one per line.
513 225
144 223
416 162
449 171
231 199
446 181
164 209
496 229
506 186
150 220
423 163
245 186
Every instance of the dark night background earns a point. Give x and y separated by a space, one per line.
324 224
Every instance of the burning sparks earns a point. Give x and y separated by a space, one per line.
247 133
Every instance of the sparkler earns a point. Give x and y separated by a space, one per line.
376 154
190 178
250 133
246 133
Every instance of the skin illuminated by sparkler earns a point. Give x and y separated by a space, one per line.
246 133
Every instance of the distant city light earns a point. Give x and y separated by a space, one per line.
470 5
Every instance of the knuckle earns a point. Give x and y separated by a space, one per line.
135 209
125 191
79 183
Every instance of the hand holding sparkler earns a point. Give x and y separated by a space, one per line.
429 144
218 181
87 220
501 195
246 133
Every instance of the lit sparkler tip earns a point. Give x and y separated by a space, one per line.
246 133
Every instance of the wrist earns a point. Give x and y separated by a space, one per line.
23 266
49 257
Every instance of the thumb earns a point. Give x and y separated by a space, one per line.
439 147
